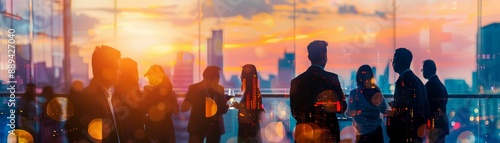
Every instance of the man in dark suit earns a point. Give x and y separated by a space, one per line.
315 96
410 109
206 122
438 98
94 107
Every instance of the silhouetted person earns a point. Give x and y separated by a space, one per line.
128 102
438 98
94 105
250 107
311 97
410 108
161 103
206 122
28 111
365 104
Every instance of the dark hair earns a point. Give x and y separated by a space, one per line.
48 92
102 58
430 66
30 93
316 49
403 57
252 98
129 76
363 74
211 72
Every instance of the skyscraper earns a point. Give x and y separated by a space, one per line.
79 69
183 71
488 57
215 56
383 81
23 66
286 70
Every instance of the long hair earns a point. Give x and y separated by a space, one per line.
364 74
252 98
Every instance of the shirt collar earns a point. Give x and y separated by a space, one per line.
403 73
318 66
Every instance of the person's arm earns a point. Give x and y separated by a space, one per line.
352 104
175 105
223 107
294 101
187 103
341 95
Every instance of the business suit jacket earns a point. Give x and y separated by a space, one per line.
198 123
438 98
410 96
303 97
92 104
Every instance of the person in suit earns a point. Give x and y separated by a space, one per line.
94 107
311 94
161 104
438 98
207 102
128 100
250 107
365 104
408 119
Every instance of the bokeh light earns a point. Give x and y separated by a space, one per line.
377 99
157 113
60 109
20 136
456 125
476 110
452 114
77 86
210 107
283 110
466 137
348 134
99 128
274 131
422 130
471 118
328 100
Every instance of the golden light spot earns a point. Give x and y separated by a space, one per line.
477 118
274 132
422 130
471 118
466 137
139 134
157 113
20 136
452 114
264 22
210 107
328 101
99 129
77 86
303 133
283 110
60 109
163 91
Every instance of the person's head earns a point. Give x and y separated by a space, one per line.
317 52
364 76
129 71
212 75
248 76
429 68
402 60
155 75
30 92
48 92
106 65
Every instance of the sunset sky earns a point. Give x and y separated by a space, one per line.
260 31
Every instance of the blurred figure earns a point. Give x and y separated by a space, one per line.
208 103
408 119
161 103
128 102
250 107
95 119
438 98
365 104
76 88
311 97
28 111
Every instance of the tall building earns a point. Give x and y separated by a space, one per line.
354 84
79 69
456 86
183 71
488 57
23 73
286 70
215 56
42 75
383 81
